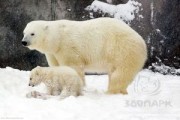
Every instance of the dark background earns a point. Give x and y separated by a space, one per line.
163 46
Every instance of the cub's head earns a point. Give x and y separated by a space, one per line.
35 34
35 77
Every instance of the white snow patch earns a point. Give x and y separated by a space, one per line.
151 96
124 12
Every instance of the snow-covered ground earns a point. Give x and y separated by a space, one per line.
152 96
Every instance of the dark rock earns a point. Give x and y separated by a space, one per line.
15 14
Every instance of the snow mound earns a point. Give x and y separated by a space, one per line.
151 96
124 12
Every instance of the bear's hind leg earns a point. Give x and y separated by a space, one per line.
81 74
119 81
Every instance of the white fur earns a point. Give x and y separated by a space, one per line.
63 81
99 45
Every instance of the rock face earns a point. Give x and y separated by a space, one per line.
14 16
161 30
158 24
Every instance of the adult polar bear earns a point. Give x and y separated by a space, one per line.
98 45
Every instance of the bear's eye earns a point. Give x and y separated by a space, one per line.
30 78
32 34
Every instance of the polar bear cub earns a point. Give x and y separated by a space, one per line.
63 81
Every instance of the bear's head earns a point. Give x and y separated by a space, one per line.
35 77
35 34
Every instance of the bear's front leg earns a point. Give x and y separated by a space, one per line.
51 60
82 76
81 73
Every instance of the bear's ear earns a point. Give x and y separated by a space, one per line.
46 27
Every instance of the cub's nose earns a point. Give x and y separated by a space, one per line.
24 43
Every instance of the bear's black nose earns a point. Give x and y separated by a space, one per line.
24 43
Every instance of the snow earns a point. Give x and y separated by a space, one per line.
152 96
124 12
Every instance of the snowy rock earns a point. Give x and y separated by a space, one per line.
124 12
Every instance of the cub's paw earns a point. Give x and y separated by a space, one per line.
36 94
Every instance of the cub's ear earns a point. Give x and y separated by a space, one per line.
38 69
46 27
